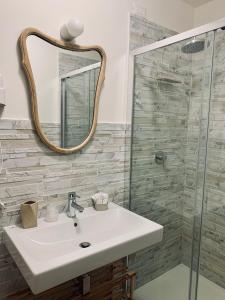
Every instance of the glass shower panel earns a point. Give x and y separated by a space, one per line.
212 249
169 109
196 152
161 102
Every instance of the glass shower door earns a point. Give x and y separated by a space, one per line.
202 67
169 136
212 246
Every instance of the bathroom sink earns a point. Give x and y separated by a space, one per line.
53 253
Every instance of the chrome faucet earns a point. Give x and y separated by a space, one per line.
72 205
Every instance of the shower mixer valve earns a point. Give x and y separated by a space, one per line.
160 158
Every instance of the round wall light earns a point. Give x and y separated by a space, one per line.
72 29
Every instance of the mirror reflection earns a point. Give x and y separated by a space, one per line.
66 84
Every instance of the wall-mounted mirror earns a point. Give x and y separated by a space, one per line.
65 82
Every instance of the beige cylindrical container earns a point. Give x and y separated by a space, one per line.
29 211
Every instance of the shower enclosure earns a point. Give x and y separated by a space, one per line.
177 163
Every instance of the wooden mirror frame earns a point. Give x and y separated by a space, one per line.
32 88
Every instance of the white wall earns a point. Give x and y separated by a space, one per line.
209 12
45 61
106 24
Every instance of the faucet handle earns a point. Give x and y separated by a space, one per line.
73 196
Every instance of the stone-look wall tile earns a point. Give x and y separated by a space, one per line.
159 124
30 170
143 32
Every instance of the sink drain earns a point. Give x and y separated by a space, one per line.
85 245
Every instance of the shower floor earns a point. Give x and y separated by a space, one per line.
173 285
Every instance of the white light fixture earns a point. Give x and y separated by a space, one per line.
72 29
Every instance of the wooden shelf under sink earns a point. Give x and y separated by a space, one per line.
107 283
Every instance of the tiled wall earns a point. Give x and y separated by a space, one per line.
29 170
143 32
159 119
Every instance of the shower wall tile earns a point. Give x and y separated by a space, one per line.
29 170
144 32
159 124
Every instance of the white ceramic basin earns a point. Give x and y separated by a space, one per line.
49 254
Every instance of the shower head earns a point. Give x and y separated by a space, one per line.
194 46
